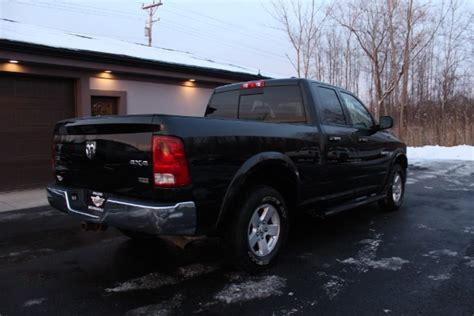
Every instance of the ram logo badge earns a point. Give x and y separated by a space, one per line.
91 147
97 200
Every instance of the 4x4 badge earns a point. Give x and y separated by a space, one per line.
90 148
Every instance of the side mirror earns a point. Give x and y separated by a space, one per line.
385 122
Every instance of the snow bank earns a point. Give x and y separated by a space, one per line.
461 152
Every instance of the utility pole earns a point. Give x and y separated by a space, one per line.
152 8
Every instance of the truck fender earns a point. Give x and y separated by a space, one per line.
249 168
398 155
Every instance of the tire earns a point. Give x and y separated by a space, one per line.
258 230
137 235
395 189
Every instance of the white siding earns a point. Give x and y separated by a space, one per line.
156 98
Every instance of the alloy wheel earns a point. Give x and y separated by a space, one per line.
397 187
264 230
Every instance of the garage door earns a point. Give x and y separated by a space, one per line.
29 108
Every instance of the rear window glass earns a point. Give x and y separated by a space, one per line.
281 104
223 105
330 107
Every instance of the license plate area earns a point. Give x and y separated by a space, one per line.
95 201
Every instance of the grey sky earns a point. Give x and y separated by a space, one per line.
241 32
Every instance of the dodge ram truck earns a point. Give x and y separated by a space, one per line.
264 151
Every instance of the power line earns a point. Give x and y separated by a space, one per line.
82 9
255 33
197 33
191 15
152 8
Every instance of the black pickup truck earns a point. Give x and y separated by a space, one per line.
264 151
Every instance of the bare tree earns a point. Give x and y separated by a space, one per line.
454 37
413 59
418 33
338 60
369 22
302 23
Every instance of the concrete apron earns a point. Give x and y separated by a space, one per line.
18 200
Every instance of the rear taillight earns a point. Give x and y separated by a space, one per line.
170 166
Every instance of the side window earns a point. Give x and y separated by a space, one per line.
360 117
281 104
330 107
223 105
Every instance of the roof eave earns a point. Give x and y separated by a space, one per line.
86 55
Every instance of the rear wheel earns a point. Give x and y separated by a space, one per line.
395 189
258 230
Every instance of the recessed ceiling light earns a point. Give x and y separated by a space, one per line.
108 71
12 61
192 80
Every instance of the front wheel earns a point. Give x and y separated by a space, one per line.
258 229
395 189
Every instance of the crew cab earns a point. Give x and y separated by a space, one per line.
262 152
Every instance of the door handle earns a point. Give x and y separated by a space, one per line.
334 139
363 139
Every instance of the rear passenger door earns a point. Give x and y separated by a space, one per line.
340 159
299 140
372 145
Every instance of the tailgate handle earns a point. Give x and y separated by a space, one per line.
334 139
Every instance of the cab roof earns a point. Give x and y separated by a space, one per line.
275 82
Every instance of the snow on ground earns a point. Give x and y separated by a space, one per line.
195 270
34 302
26 252
469 230
156 280
461 152
334 286
365 258
440 277
161 309
454 165
423 226
469 261
436 254
252 289
146 282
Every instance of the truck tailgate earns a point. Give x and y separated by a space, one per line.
110 154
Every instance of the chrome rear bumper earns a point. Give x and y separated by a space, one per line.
129 214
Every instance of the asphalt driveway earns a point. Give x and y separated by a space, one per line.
419 260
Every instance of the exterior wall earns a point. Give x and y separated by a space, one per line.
156 98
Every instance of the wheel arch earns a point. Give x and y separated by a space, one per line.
269 168
400 158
